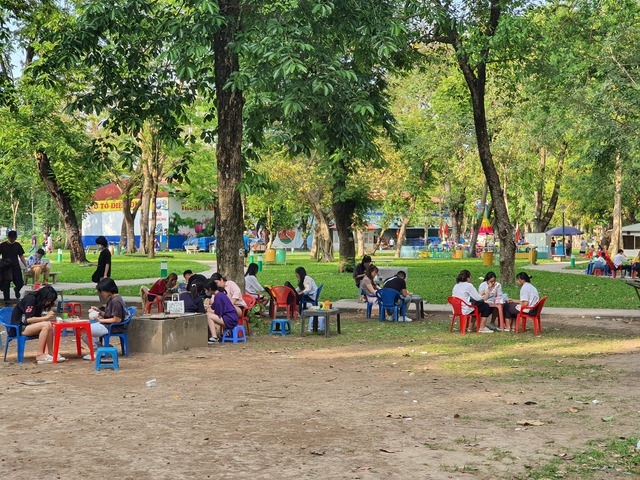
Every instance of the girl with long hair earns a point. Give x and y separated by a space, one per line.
465 290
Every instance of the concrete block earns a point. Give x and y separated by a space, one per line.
167 333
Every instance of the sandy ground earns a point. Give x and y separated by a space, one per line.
303 408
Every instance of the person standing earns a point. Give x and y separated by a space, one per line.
34 243
104 261
246 242
12 256
49 244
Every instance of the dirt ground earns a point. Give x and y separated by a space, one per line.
290 408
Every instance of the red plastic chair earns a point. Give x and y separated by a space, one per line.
279 298
144 292
465 320
523 315
251 301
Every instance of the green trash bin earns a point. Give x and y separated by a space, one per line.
281 256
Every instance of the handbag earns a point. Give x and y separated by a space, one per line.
175 305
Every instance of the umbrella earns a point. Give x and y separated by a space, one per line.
567 231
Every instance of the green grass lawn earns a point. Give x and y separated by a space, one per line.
431 278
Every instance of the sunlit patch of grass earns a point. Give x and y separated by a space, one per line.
610 457
428 346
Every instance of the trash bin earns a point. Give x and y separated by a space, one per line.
111 249
573 260
459 254
487 257
270 255
281 256
533 256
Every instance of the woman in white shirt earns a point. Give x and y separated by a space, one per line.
528 296
465 290
494 288
252 285
306 285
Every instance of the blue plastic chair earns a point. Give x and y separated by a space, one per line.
124 339
387 301
13 333
308 300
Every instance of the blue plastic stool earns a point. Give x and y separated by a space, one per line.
106 352
236 333
284 326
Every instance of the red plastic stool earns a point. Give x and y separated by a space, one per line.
597 272
73 308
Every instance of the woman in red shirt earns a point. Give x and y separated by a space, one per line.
163 287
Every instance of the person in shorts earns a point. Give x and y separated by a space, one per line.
220 311
33 315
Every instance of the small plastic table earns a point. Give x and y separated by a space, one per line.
320 313
419 301
78 326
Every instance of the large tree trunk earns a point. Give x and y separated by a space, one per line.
127 236
413 200
616 232
402 231
457 216
229 106
476 81
343 210
359 235
478 223
144 211
129 216
553 201
376 246
15 203
538 193
63 204
322 248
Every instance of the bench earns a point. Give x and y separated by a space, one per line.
92 249
52 275
388 272
192 249
383 260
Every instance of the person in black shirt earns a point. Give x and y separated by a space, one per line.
104 261
30 317
13 253
360 269
398 283
192 278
